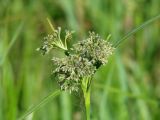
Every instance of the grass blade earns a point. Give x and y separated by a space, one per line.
43 102
136 30
18 31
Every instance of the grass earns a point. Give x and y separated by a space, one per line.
40 104
126 88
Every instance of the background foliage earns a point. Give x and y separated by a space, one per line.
127 88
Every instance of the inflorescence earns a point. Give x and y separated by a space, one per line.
83 60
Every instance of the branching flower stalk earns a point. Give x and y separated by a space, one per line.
75 70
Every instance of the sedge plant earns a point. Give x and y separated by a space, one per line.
74 72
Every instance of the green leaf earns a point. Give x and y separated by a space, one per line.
136 30
42 102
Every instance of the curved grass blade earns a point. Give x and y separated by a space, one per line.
13 40
136 30
42 102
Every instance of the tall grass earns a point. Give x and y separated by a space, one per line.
126 88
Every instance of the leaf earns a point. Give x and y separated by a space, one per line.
42 102
136 30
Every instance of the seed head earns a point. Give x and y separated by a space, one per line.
82 61
95 49
54 40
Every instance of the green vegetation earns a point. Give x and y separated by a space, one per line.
126 88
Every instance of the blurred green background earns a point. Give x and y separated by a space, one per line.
127 88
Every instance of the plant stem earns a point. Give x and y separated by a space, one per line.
87 103
86 92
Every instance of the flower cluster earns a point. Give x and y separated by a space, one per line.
95 49
84 59
70 71
54 40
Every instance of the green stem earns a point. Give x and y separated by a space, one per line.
86 92
87 104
